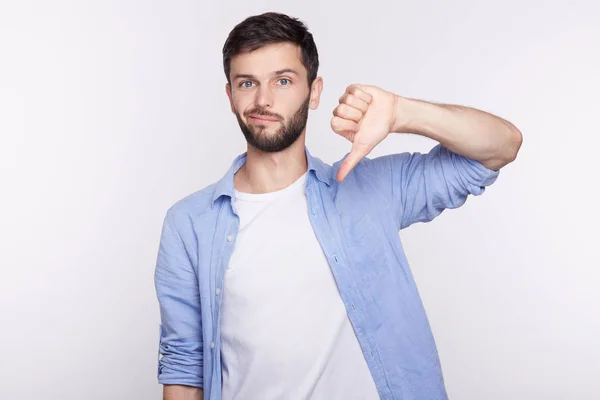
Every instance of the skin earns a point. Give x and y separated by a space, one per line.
367 114
257 82
272 82
182 392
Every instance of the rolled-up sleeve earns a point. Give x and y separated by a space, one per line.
421 186
180 348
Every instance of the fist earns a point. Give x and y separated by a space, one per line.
365 116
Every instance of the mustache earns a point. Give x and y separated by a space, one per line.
262 112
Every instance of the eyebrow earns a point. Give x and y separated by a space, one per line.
276 73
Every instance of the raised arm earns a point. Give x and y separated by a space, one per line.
469 132
474 145
367 114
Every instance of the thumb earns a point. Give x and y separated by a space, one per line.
357 153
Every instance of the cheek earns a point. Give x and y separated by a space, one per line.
241 103
289 105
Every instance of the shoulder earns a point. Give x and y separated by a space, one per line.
190 207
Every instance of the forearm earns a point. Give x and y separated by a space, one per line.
472 133
180 392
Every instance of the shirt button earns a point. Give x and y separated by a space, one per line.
218 291
212 345
229 238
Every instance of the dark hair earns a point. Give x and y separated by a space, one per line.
268 28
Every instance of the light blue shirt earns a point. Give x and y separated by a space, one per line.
357 224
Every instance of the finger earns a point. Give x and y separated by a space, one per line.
348 135
346 112
358 91
354 102
358 152
344 126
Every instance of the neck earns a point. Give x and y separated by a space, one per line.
268 172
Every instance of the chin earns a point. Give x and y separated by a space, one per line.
261 130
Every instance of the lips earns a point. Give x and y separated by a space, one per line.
263 118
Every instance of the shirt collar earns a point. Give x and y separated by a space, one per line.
224 186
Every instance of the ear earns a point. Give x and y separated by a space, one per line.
230 96
315 93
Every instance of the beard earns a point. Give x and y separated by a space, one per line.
283 138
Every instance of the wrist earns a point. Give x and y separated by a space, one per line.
401 121
417 117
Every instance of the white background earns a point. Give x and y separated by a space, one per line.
110 111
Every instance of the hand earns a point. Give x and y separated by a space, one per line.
365 116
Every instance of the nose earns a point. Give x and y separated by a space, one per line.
264 97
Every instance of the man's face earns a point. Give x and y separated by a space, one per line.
270 96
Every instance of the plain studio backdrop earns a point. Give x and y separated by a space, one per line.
110 111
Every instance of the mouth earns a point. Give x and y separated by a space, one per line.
262 119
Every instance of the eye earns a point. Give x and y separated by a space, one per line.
284 82
246 84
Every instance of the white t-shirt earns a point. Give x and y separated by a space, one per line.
285 333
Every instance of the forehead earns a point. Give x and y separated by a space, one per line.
264 61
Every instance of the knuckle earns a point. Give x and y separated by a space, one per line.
335 123
350 100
